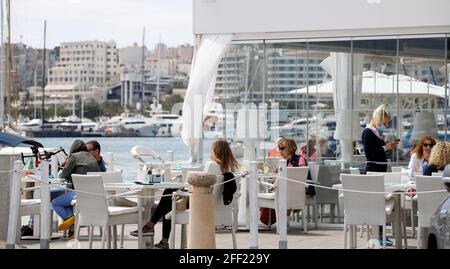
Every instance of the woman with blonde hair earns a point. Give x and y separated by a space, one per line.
375 148
421 154
439 158
288 149
372 138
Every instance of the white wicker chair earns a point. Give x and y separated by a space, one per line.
93 209
115 177
364 208
427 203
295 194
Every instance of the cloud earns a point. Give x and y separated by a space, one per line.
122 21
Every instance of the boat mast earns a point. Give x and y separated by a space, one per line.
17 86
73 92
157 75
3 74
43 76
35 89
82 93
8 10
142 73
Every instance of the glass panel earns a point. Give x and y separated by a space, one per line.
421 89
378 87
446 71
323 108
286 72
408 75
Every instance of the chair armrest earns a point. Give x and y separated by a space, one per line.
30 188
266 184
178 198
128 193
181 193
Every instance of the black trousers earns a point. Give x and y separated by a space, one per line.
374 167
164 207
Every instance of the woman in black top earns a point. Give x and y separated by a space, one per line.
374 146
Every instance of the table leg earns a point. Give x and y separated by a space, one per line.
139 206
398 221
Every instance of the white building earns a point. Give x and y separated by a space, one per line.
65 94
185 53
90 63
131 56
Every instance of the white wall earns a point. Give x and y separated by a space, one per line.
268 16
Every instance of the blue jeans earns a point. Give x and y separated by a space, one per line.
62 205
55 192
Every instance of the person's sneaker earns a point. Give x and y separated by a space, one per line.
146 231
388 242
162 245
71 233
66 223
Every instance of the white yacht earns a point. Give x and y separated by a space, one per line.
216 122
323 125
32 125
76 124
124 124
162 125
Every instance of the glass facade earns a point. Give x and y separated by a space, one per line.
407 73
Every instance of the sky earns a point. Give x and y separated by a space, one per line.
104 20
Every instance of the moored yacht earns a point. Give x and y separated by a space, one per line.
162 125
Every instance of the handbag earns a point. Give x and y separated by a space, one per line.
264 215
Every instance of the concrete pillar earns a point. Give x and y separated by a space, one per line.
254 209
110 161
201 212
169 156
125 92
130 93
54 166
6 165
45 207
14 206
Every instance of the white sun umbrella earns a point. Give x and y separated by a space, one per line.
381 84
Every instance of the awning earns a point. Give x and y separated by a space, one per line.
11 140
375 83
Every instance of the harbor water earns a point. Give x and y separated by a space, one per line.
121 146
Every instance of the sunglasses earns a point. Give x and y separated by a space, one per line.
428 145
282 148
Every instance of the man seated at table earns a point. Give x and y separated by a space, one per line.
94 148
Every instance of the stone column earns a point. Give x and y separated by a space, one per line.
201 212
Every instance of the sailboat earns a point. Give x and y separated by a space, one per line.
6 83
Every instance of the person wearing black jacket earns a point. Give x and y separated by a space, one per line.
375 148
